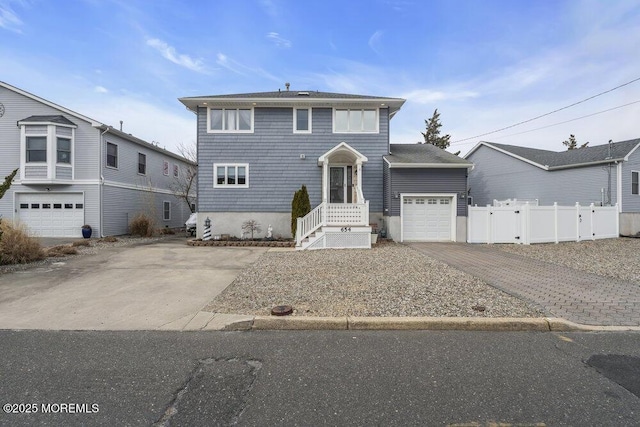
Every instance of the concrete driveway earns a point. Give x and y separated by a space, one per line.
162 285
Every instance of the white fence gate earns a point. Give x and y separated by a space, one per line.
528 224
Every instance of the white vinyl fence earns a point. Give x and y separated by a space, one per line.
528 224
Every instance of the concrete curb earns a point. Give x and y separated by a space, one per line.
503 324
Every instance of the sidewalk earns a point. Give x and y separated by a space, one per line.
560 291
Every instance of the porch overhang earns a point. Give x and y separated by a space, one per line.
343 150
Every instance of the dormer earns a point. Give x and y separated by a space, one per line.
46 150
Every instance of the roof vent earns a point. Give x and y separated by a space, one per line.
303 93
287 86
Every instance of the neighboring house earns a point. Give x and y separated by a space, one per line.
75 170
603 175
256 149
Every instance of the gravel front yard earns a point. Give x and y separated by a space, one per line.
388 280
617 258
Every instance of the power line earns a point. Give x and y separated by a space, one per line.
549 113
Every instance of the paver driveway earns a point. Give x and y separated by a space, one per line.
561 291
161 285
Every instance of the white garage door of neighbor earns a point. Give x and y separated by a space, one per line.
426 218
51 214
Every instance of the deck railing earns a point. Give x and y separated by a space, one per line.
332 214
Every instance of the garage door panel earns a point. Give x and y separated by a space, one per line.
427 218
51 214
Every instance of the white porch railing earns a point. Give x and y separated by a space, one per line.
332 214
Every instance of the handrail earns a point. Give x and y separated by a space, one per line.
309 223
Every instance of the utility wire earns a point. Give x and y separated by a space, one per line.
549 113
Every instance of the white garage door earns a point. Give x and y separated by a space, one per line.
51 214
426 218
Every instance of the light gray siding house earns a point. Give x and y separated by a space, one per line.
256 149
604 175
75 170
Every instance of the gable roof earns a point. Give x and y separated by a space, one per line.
552 160
60 120
291 97
423 156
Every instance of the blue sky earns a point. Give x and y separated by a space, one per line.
484 64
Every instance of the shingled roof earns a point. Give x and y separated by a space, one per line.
59 119
423 155
547 159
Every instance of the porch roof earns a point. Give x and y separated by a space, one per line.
423 156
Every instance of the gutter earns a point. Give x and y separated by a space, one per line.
579 165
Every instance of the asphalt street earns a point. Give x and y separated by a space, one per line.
431 378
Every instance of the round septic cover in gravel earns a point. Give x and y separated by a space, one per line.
282 310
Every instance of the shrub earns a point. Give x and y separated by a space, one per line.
78 243
141 225
61 250
300 206
16 246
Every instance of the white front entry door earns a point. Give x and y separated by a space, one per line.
340 184
427 219
51 214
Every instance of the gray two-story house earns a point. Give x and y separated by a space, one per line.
256 149
74 170
607 174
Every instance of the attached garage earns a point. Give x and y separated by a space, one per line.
428 218
51 214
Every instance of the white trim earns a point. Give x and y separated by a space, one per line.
46 123
508 153
349 110
145 164
224 118
454 210
427 165
163 205
619 186
341 146
295 120
132 187
631 181
226 166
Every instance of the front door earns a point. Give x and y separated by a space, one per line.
340 184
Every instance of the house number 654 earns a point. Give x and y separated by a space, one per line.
345 229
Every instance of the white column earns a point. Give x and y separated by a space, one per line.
325 180
359 184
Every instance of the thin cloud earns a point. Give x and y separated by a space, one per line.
241 69
374 41
8 18
279 41
426 96
169 52
101 89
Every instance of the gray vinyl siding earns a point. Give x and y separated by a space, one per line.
63 173
630 202
276 170
122 205
428 181
499 176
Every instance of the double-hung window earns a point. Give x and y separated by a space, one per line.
176 170
355 121
230 120
63 150
231 175
36 149
166 211
112 155
302 120
635 183
142 164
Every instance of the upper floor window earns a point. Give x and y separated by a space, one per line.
352 120
231 175
230 120
302 120
142 164
165 168
112 155
36 149
176 170
635 182
63 150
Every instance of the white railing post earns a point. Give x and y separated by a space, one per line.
298 231
578 221
592 218
555 221
489 225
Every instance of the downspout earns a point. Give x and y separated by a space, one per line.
102 183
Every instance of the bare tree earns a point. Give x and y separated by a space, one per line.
184 185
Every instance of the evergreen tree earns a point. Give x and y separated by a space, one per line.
432 133
300 206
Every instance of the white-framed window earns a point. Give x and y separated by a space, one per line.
166 210
231 175
302 120
347 120
176 170
63 149
229 120
635 182
165 168
142 164
36 149
112 155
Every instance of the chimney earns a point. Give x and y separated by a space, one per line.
287 86
120 125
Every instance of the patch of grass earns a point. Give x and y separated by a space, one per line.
60 251
16 246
